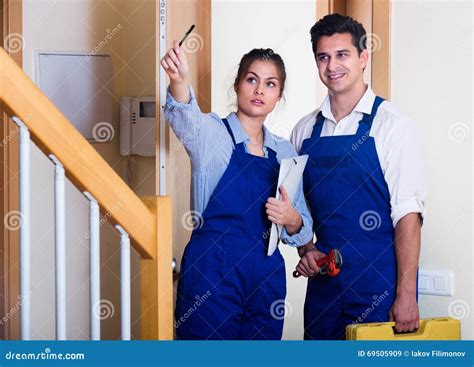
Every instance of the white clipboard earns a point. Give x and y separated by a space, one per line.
291 172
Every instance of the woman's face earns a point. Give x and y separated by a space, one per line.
259 89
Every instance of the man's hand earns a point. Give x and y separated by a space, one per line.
405 313
307 266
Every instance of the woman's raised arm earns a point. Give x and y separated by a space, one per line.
176 66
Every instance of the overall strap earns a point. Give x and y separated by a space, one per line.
229 130
366 123
318 126
272 155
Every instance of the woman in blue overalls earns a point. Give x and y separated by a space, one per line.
229 288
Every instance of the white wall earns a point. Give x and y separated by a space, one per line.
239 26
80 26
432 83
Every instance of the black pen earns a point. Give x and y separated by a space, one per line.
186 35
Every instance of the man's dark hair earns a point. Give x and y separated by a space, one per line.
337 23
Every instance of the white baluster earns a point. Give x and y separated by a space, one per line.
25 243
60 244
125 293
94 267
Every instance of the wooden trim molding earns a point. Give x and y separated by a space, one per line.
180 16
381 66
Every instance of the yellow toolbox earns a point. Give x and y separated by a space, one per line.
440 328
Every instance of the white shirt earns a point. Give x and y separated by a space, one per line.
398 143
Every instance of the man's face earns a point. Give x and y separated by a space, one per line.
340 66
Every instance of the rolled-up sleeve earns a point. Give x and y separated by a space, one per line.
406 171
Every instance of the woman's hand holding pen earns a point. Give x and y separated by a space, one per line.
176 66
282 212
175 63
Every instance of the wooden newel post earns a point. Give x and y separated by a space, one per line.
157 275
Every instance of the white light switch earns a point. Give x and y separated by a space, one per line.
441 284
423 282
434 282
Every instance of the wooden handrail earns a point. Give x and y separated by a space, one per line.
55 134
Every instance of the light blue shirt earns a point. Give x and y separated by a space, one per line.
210 147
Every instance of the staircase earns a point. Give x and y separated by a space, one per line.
144 223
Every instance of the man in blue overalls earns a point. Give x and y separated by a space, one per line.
366 186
